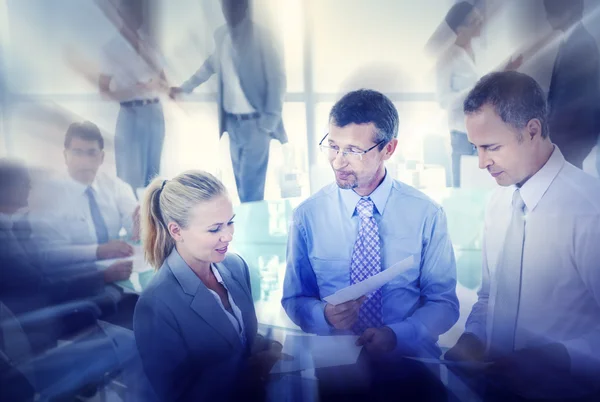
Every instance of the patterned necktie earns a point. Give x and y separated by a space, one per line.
366 262
99 224
508 279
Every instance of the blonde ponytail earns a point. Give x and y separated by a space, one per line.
156 239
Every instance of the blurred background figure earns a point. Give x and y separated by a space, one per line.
456 75
89 209
37 312
252 84
133 75
574 95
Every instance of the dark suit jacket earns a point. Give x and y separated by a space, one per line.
24 287
259 65
574 95
189 348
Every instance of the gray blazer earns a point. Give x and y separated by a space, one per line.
188 347
259 65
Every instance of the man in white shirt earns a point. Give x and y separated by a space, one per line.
456 75
574 93
87 211
252 84
537 318
133 75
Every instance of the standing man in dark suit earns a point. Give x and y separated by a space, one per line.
251 88
574 95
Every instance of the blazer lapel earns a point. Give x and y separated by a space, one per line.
242 299
205 305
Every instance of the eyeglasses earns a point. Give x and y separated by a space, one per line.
355 154
91 153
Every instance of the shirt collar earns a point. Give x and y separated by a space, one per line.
240 29
534 189
81 188
379 196
217 274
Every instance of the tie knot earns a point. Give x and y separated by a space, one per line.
365 208
89 191
517 202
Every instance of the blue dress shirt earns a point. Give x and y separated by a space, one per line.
418 305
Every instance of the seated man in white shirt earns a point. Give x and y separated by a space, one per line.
87 211
537 318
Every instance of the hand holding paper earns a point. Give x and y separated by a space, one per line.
344 315
370 284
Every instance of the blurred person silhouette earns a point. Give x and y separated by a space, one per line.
133 75
51 309
252 84
83 215
456 75
537 317
357 227
574 94
26 285
88 210
195 323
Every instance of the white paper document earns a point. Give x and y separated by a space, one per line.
139 263
370 284
312 352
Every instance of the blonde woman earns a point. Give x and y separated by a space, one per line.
195 323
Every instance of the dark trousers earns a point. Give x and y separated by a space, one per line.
460 146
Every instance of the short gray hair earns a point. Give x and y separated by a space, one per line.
516 97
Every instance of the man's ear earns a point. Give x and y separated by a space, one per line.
389 148
534 127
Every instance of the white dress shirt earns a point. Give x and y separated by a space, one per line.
234 99
236 318
560 288
66 219
456 75
127 67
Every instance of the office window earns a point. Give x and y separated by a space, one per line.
382 38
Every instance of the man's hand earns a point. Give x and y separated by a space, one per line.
114 249
261 362
536 369
135 230
343 316
119 271
378 340
174 92
468 348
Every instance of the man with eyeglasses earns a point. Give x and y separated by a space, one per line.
361 225
89 209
